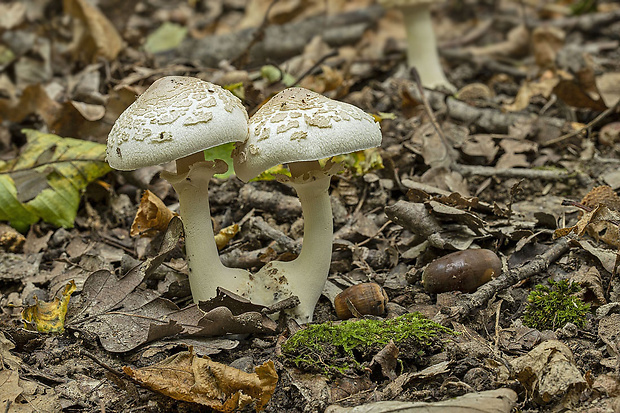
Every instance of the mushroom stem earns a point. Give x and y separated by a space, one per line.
305 276
206 271
422 47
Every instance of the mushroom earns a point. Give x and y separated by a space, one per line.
299 127
177 118
421 44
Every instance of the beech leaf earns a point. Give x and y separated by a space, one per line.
46 180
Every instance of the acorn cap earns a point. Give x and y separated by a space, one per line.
300 125
175 117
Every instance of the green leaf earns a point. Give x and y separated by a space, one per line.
167 37
223 152
47 179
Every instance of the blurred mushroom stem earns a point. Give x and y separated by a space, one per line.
206 271
422 47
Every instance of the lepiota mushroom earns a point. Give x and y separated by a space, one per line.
421 44
298 127
177 118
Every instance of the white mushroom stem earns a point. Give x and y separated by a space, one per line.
206 271
422 47
306 275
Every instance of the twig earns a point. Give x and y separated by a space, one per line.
279 237
467 303
593 123
489 171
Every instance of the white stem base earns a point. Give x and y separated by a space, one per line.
206 271
305 276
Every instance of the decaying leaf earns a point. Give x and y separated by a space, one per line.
186 376
54 170
152 217
549 372
601 223
95 35
125 316
225 235
49 317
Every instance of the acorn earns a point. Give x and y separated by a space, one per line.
359 300
461 271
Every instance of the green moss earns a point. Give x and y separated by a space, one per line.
332 348
554 306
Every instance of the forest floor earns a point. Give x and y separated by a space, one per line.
522 159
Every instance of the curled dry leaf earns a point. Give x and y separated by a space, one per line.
225 235
601 223
153 216
548 372
95 35
188 377
49 317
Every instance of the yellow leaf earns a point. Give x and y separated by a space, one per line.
49 317
225 235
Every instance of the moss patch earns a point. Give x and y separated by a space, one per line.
337 348
552 307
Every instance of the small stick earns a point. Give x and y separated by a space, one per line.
590 125
467 303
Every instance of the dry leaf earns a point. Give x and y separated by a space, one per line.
153 216
608 85
549 371
601 224
225 235
94 35
188 377
49 317
491 401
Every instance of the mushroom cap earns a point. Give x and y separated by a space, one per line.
175 117
300 125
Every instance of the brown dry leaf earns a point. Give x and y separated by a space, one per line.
517 44
591 283
601 224
94 35
191 378
33 100
528 90
608 85
577 94
546 42
603 194
153 216
549 371
480 145
12 15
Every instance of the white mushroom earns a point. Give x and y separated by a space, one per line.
421 44
298 127
177 118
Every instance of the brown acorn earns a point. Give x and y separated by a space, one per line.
361 299
461 271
